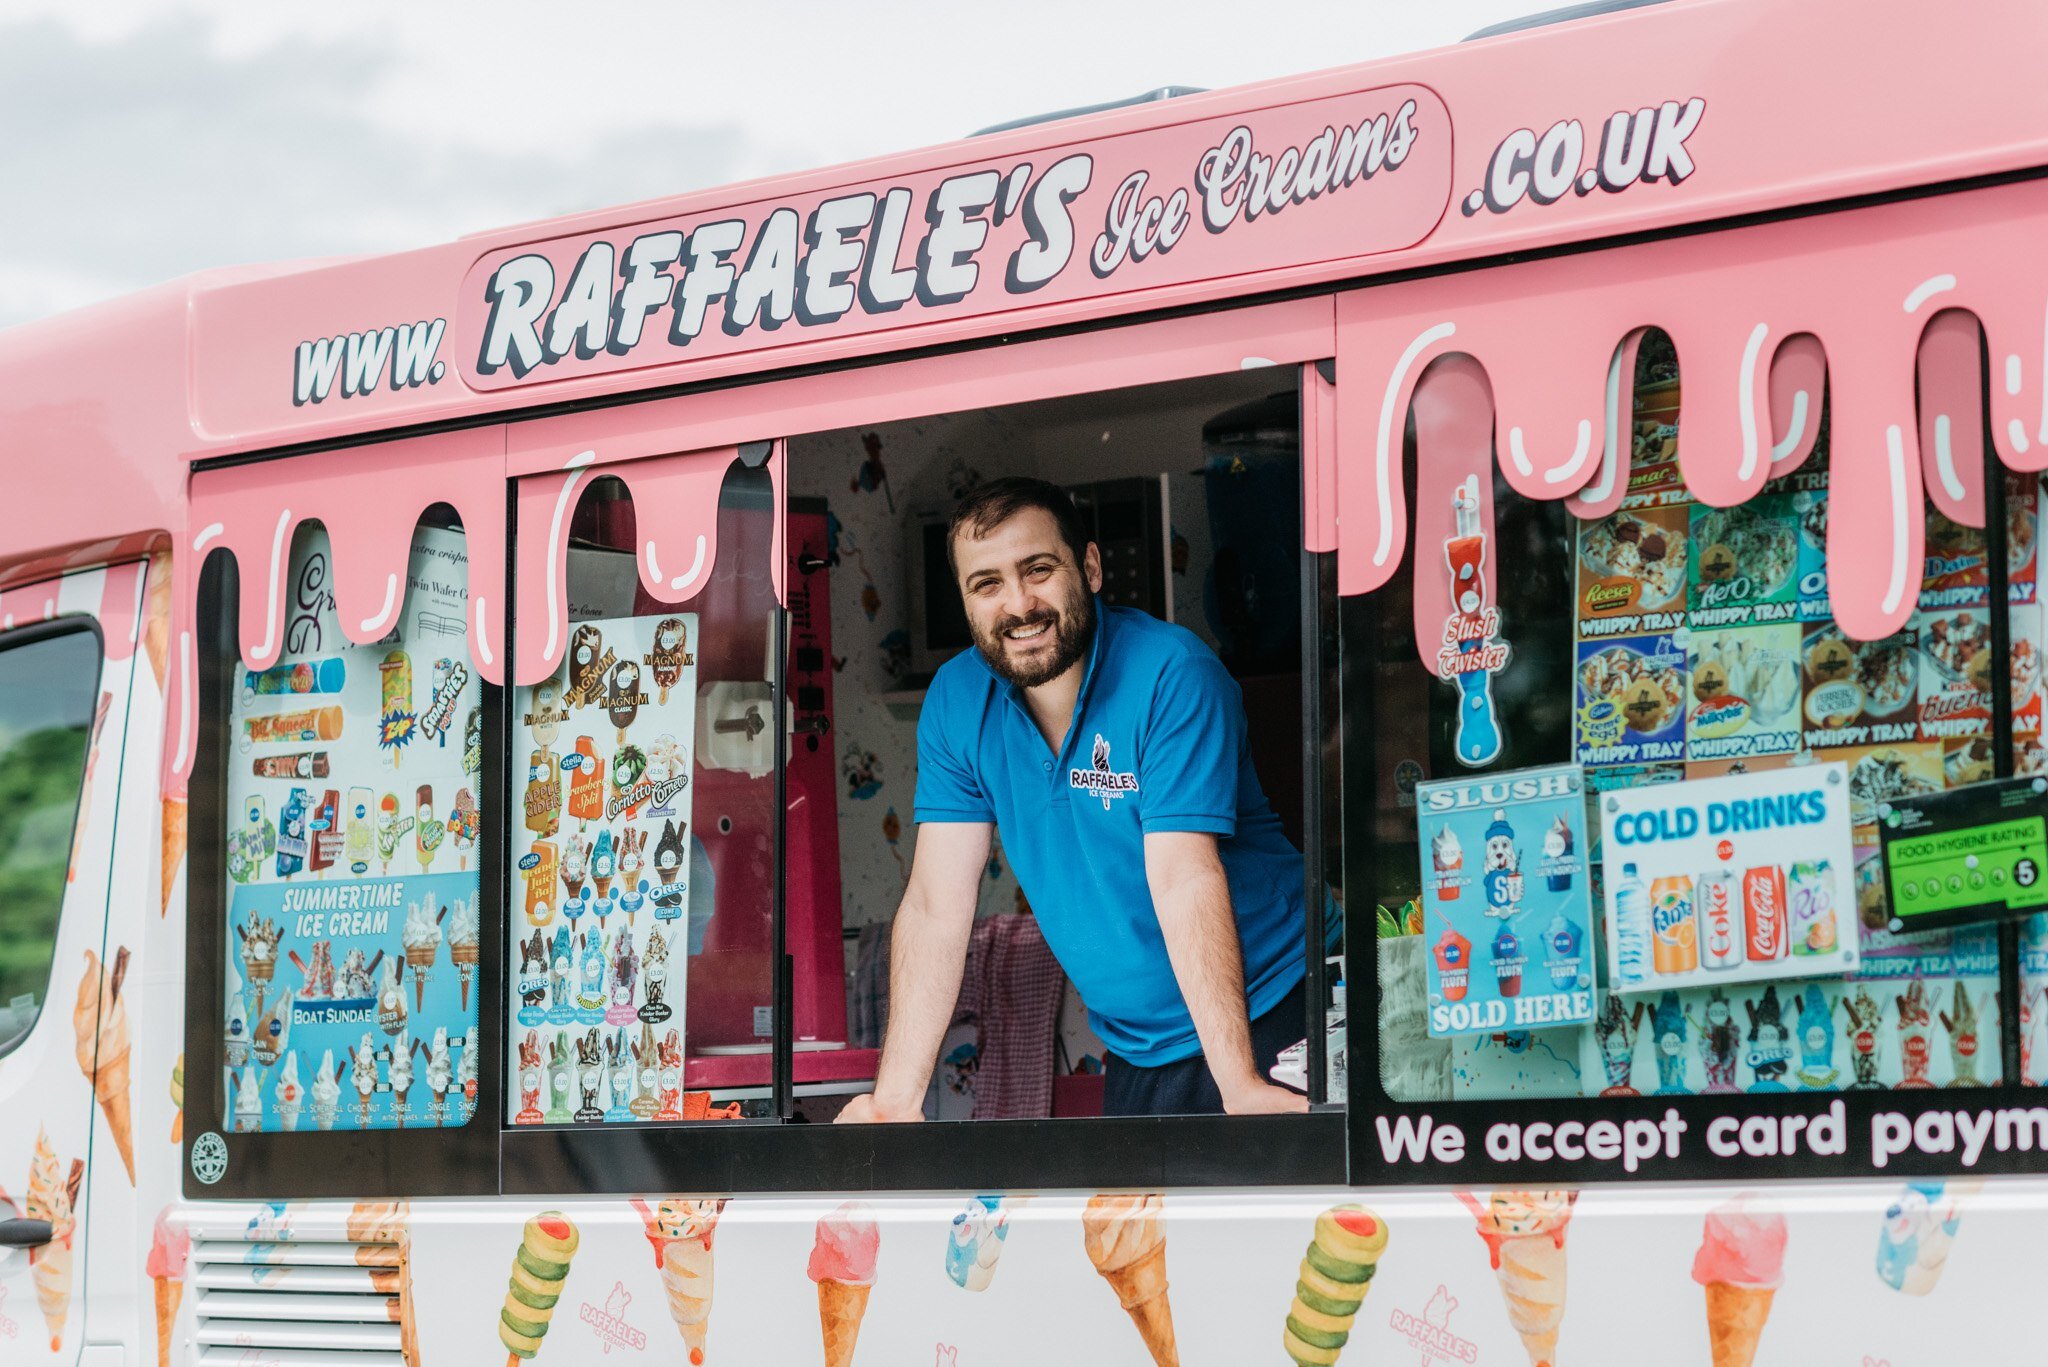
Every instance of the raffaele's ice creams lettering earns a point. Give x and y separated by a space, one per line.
1741 1261
1525 1233
843 1265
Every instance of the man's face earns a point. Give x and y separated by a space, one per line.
1029 605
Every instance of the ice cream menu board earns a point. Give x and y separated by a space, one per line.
601 893
1506 910
1726 880
1974 854
351 862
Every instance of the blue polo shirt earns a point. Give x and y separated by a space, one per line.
1157 744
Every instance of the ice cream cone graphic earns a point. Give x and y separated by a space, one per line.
538 1270
681 1232
1740 1263
99 1024
172 839
843 1266
1524 1233
382 1233
1336 1272
169 1247
52 1196
1126 1240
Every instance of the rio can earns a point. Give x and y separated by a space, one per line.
1811 897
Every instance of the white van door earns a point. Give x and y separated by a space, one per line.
68 649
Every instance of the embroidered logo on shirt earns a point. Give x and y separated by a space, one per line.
1100 779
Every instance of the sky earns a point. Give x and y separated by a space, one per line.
147 139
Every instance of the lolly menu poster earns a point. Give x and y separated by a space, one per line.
1506 906
1735 879
351 860
602 859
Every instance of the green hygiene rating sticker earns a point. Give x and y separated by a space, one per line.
1976 853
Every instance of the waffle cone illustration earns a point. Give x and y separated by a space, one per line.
169 1292
52 1196
1524 1233
681 1232
843 1265
382 1232
99 1025
1126 1240
1740 1263
1336 1272
173 839
169 1247
538 1270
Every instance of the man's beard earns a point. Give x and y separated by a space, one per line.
1073 630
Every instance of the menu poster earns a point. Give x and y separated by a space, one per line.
1506 904
602 857
351 858
1629 702
1736 879
1978 853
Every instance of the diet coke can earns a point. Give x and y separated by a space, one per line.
1763 905
1720 920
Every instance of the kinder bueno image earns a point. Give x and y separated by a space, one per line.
1632 572
1742 878
1745 687
1630 700
1956 661
1859 692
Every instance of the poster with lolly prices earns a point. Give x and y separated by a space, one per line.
1506 904
1727 880
601 891
353 910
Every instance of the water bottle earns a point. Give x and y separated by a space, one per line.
1631 929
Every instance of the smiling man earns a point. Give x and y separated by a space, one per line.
1109 748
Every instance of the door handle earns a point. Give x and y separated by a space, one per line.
25 1233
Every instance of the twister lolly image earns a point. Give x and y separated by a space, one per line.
1962 1037
306 676
291 1096
327 1091
326 833
169 1249
1741 1261
537 867
977 1242
1471 654
1615 1032
1817 1071
291 834
588 661
586 784
1524 1233
99 1025
427 830
1919 1226
462 826
843 1265
361 841
1865 1015
395 719
1720 1038
670 653
1126 1241
52 1197
422 940
1668 1027
543 793
539 1268
623 698
1915 1049
681 1232
462 945
254 841
302 726
1770 1052
391 829
1336 1272
1502 878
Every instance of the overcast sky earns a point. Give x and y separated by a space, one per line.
145 139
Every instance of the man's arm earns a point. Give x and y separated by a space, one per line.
1192 898
927 952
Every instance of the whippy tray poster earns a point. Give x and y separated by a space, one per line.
1506 905
601 852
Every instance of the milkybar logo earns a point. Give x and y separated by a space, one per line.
1100 779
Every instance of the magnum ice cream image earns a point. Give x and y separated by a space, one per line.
1336 1272
1126 1240
539 1268
843 1265
99 1024
668 656
681 1232
1740 1262
1524 1233
978 1235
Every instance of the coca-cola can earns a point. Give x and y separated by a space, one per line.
1720 920
1763 906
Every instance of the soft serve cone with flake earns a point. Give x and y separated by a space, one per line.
681 1232
99 1024
1126 1239
1740 1263
1524 1233
843 1266
1336 1272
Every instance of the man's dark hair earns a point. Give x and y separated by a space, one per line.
992 504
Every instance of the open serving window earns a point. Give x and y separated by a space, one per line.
1707 569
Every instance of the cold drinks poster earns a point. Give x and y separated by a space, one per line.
1507 912
1725 880
352 862
601 851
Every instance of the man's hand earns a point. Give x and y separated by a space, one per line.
862 1110
1263 1098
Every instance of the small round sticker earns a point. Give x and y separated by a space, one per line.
209 1157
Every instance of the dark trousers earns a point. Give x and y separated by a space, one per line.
1185 1087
